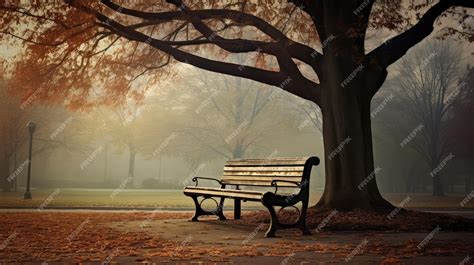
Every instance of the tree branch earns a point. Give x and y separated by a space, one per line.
393 49
296 50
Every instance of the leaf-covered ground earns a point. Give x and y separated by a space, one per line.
168 237
398 220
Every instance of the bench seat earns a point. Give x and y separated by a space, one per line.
225 193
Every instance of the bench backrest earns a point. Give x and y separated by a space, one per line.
261 172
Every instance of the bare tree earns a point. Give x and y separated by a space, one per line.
423 95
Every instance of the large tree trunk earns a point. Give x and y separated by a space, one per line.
347 128
349 164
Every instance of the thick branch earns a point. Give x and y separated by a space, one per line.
392 50
302 88
296 50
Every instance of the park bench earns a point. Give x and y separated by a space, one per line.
251 180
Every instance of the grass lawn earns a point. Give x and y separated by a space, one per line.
99 197
176 199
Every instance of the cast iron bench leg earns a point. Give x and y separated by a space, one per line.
220 210
237 208
302 220
199 211
273 220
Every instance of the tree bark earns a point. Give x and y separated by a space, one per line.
349 163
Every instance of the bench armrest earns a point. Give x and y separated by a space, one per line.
195 179
275 183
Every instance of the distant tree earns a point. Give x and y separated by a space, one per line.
230 116
14 115
120 127
13 134
420 102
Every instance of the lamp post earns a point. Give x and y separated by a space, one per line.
31 129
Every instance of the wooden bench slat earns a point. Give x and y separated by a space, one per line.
219 189
262 178
263 173
268 162
258 183
269 168
226 193
271 159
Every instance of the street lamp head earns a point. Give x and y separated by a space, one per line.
31 126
